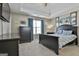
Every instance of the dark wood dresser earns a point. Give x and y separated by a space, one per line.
26 34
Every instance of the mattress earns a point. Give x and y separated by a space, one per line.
64 39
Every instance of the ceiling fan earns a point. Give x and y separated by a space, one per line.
45 4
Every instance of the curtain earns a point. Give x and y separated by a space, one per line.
42 26
30 23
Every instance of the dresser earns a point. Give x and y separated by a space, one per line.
26 34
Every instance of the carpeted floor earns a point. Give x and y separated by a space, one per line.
71 50
36 49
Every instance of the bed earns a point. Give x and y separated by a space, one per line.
56 41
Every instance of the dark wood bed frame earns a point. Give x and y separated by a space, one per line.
52 41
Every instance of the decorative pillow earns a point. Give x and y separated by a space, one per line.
59 32
67 32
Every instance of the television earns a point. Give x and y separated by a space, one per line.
5 11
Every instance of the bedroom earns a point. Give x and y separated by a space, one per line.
49 16
52 23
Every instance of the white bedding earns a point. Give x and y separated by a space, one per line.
64 39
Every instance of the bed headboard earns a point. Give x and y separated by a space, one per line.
68 27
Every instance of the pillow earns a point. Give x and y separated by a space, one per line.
59 32
67 32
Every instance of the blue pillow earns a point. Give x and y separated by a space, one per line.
59 32
67 32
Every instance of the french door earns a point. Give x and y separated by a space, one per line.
37 29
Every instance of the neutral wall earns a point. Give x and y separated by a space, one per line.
15 21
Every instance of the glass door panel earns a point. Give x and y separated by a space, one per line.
36 26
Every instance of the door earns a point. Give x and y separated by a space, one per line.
37 29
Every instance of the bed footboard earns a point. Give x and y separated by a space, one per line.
50 42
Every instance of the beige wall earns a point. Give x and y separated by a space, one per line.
15 21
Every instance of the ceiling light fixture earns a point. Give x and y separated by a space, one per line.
49 12
45 4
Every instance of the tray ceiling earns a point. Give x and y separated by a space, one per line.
42 10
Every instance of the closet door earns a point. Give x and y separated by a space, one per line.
0 28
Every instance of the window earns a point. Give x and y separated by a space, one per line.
73 18
37 26
67 19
